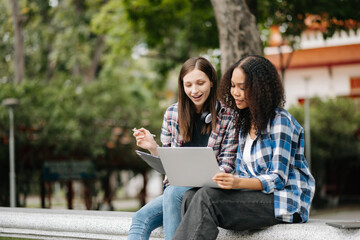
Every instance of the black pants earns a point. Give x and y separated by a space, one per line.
204 209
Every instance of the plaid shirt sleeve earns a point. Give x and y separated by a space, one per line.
170 136
281 135
166 130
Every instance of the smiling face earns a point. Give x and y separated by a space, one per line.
238 88
197 87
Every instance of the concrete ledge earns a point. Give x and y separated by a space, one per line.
66 224
82 224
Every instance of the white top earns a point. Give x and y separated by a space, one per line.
247 154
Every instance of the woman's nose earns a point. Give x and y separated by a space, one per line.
194 89
237 92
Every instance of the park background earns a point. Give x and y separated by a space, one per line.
87 72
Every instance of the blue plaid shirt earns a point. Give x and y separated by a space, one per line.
278 161
223 140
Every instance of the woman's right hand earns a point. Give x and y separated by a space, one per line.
145 139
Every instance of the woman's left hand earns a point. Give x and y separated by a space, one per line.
225 180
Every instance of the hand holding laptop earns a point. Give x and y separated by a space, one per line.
225 180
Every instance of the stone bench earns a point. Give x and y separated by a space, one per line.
82 224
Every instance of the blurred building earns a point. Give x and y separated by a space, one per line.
330 66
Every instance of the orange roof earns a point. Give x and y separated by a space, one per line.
320 57
312 23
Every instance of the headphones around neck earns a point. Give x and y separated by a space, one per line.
206 116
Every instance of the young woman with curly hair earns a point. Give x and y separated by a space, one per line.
273 183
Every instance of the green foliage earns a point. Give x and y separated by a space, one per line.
61 39
334 122
62 117
174 30
6 49
335 138
58 39
68 120
72 118
111 20
290 16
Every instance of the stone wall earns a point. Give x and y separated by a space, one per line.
82 224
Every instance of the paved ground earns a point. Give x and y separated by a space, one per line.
338 213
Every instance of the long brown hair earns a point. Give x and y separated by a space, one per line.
186 108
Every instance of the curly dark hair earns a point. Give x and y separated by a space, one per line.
264 93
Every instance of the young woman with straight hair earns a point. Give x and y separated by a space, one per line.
196 120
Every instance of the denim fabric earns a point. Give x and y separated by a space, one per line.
205 209
173 196
148 218
165 209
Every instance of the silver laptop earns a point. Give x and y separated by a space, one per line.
152 161
189 166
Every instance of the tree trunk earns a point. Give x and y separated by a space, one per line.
18 42
284 64
238 32
42 193
69 194
91 71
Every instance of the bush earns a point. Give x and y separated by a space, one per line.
335 147
67 120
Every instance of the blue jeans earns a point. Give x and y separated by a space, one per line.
173 196
165 209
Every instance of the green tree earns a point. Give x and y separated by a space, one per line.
290 15
335 144
83 90
70 121
18 42
165 22
173 31
86 74
58 39
294 17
